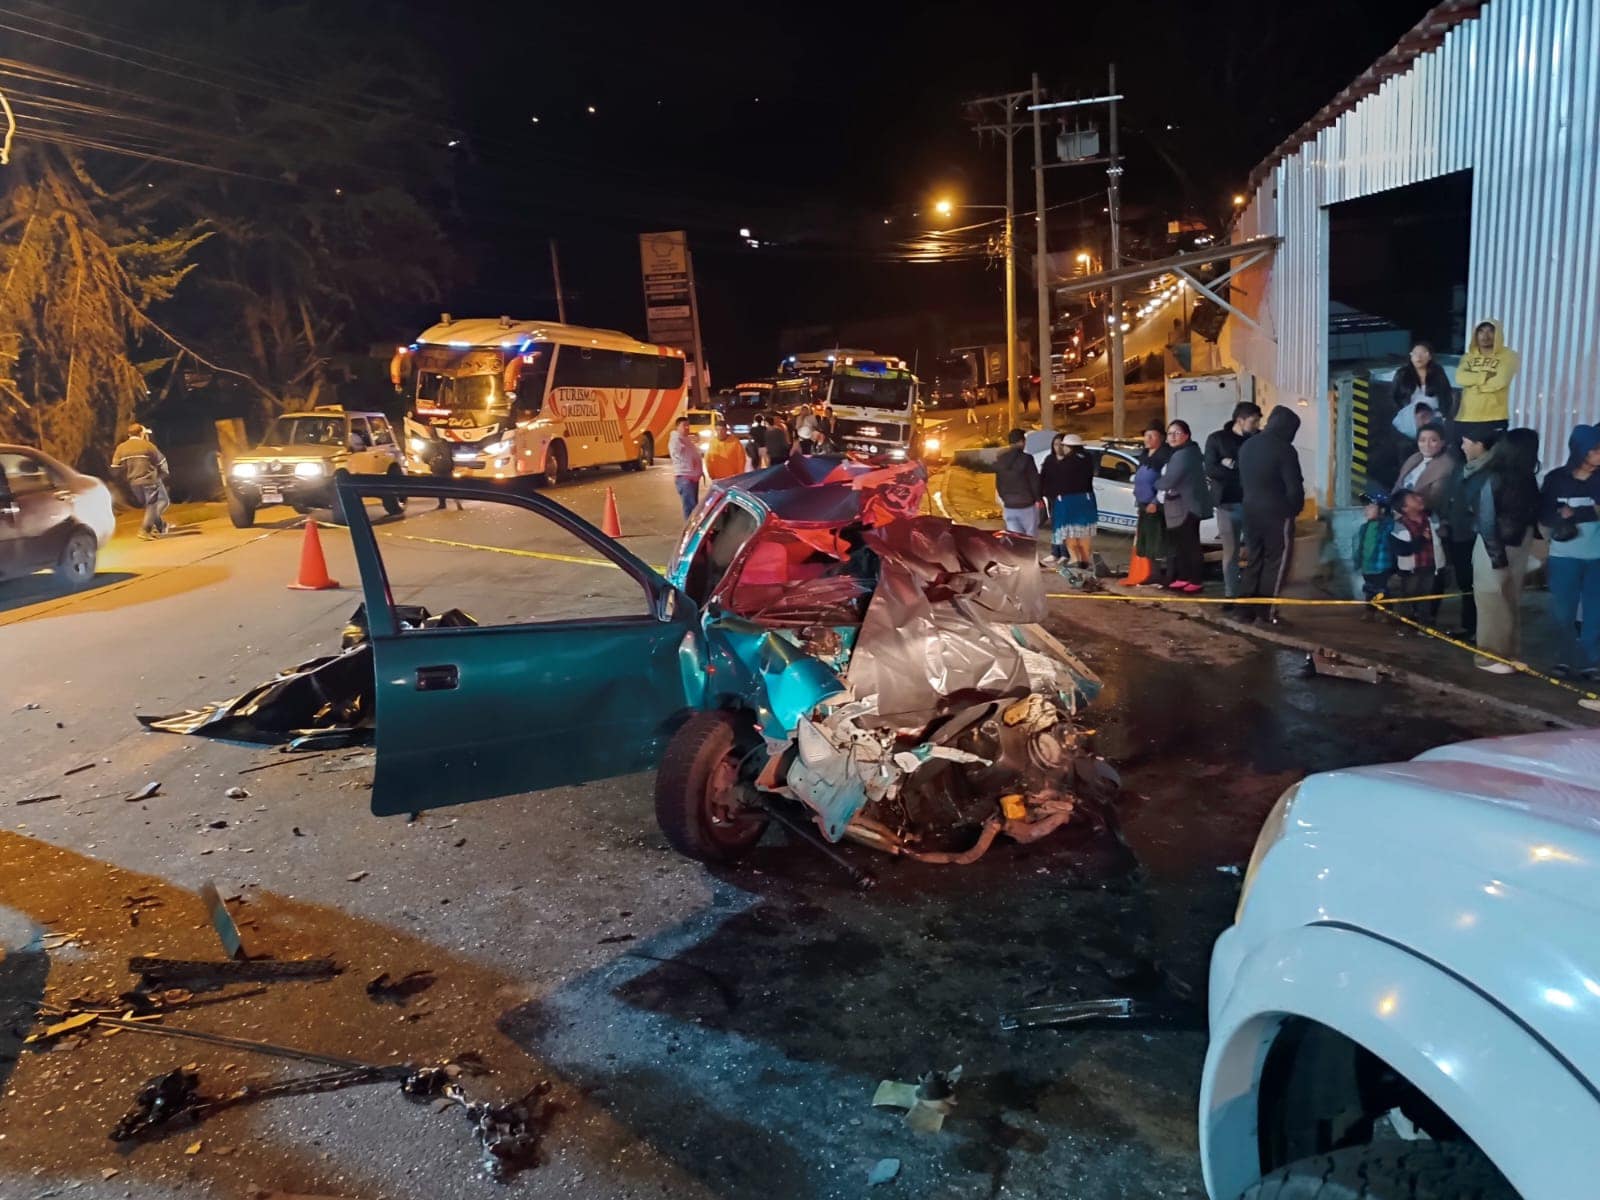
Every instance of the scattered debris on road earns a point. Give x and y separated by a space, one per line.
222 920
145 793
883 1171
80 767
236 793
40 799
1076 1012
1331 663
384 990
357 877
927 1102
165 972
160 1101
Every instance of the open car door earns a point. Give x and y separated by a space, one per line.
568 671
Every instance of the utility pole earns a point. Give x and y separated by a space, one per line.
1119 398
1119 414
555 269
1010 127
1041 341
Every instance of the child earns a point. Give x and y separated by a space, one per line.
1412 540
1374 552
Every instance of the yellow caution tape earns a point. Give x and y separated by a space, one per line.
1165 597
547 555
1521 668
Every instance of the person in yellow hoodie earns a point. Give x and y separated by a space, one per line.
1484 376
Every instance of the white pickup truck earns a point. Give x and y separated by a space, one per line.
1408 1001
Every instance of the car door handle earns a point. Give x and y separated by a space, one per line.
445 678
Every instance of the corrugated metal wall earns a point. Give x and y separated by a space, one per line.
1514 95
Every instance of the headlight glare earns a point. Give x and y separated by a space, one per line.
245 470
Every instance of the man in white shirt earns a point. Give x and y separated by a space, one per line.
687 465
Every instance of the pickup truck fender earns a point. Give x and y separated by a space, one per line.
1513 1093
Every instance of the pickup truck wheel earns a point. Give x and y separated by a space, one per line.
697 793
1415 1171
240 511
394 505
75 567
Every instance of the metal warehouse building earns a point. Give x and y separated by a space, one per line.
1506 90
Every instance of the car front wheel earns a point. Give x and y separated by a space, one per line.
698 801
240 511
1415 1171
75 567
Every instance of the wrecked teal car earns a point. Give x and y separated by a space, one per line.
816 651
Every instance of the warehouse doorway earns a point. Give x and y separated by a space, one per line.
1397 273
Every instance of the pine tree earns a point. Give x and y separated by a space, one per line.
76 278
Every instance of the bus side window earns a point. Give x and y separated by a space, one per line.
668 372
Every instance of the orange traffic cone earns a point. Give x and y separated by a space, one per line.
313 567
1138 571
609 525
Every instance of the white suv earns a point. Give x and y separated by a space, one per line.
1408 1001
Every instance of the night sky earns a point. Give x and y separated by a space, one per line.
810 125
826 130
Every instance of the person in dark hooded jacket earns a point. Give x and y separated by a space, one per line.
1506 513
1274 493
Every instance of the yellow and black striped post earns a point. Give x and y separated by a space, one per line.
1360 411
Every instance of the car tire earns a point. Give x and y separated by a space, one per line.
75 565
394 505
647 451
240 511
555 465
700 766
1414 1171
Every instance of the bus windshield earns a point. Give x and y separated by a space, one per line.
461 393
885 393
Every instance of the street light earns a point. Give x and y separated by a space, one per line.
744 233
1238 199
944 208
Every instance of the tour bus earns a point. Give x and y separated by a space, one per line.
495 399
874 402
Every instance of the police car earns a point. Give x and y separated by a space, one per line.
1115 463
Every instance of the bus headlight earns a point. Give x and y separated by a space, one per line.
419 444
496 448
245 470
311 470
931 445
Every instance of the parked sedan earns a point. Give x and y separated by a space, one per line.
1113 484
51 517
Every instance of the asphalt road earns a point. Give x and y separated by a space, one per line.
706 1033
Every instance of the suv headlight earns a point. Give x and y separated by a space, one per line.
1272 832
245 470
310 470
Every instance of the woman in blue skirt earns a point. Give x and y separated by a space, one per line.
1067 481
